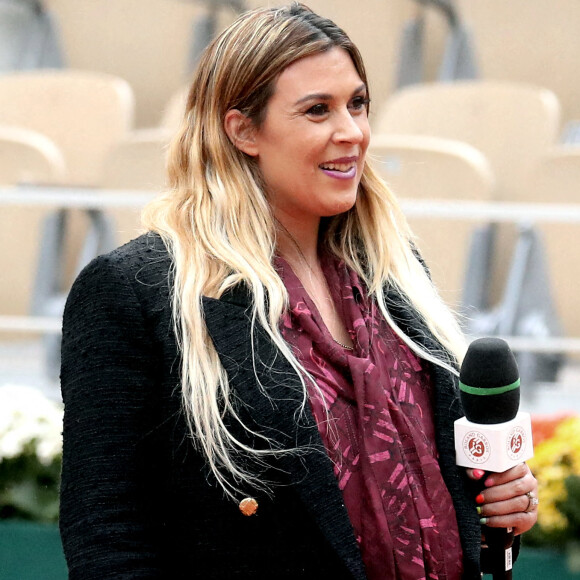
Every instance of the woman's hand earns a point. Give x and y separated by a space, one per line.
509 499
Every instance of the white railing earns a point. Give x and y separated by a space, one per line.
492 211
30 324
52 325
93 198
74 197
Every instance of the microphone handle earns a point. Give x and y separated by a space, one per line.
500 542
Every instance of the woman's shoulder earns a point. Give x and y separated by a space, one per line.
144 258
140 268
145 249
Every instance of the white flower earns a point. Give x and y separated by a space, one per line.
29 420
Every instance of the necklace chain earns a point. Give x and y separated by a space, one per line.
343 345
312 273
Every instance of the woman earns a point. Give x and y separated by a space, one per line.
264 384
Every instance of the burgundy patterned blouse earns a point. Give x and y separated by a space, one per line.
378 431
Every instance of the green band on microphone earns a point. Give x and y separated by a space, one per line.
491 391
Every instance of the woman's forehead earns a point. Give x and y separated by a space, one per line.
324 73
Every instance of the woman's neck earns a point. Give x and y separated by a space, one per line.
297 243
300 250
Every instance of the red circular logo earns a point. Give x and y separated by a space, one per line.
476 447
516 443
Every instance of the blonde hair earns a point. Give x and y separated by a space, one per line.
217 224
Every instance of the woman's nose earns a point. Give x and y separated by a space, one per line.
349 128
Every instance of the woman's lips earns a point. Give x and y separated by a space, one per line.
338 174
344 168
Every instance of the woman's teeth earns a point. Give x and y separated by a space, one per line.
344 167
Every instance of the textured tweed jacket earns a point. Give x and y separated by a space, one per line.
137 500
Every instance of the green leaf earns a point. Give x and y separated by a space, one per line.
570 506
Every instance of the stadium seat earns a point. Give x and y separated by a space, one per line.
26 157
420 168
556 179
510 123
529 41
84 113
145 42
137 162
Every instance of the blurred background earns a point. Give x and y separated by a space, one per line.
475 116
476 127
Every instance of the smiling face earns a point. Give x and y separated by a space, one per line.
311 146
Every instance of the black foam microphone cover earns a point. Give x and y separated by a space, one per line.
489 382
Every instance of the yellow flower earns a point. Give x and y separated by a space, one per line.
554 460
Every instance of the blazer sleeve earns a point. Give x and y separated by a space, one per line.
107 380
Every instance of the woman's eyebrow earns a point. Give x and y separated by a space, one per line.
327 96
314 97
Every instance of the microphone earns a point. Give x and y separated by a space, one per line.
494 434
490 382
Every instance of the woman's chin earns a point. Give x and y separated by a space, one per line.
341 205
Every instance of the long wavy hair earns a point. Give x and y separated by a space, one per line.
218 226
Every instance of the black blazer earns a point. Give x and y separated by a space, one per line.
137 499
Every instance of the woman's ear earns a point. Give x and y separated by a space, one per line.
241 132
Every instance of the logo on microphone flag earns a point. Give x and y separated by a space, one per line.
476 447
516 443
499 445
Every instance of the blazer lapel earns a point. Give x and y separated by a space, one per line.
265 383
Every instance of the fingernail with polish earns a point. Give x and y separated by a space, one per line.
478 510
489 482
478 473
483 521
480 498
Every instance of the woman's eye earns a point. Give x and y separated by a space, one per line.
359 103
318 110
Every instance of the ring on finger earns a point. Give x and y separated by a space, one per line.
533 501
